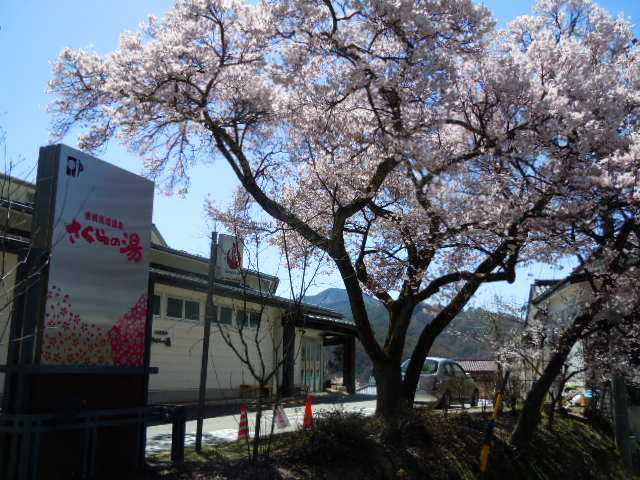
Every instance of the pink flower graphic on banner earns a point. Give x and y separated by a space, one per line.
127 336
67 339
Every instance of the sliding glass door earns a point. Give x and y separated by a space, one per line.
311 371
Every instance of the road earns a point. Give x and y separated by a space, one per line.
225 429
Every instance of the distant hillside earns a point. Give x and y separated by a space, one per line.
457 341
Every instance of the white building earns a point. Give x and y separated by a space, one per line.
556 303
179 281
561 302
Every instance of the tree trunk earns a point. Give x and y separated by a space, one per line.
256 431
551 414
414 369
506 251
530 415
389 401
273 424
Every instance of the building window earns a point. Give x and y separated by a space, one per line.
174 307
191 310
225 316
247 319
155 306
240 318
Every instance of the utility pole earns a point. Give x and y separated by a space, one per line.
621 419
209 313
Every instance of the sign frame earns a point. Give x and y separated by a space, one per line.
113 329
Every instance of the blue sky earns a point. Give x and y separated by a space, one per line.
33 32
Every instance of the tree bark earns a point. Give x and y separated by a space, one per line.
556 399
412 374
426 340
529 418
256 431
551 414
389 400
386 361
530 415
431 331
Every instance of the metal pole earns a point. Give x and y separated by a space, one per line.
621 420
488 435
208 314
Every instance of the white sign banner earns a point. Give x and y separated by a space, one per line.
96 306
229 261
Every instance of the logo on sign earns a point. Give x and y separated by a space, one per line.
74 167
233 256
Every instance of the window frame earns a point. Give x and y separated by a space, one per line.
449 371
219 315
459 371
248 318
257 316
428 372
184 309
159 314
168 315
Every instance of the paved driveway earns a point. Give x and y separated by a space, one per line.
225 429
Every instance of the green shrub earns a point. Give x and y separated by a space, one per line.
408 429
336 437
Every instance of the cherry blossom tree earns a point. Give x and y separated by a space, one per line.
416 148
527 354
606 313
597 222
605 239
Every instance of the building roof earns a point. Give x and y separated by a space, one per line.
554 287
478 366
313 314
200 258
540 290
27 207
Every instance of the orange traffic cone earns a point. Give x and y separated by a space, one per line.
243 431
308 413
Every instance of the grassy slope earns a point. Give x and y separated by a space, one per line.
427 446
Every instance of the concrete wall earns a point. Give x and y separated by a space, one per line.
179 364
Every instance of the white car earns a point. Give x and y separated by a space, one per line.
443 382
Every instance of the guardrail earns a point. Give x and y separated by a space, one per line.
369 388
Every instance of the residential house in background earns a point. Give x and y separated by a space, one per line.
484 372
556 303
560 302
